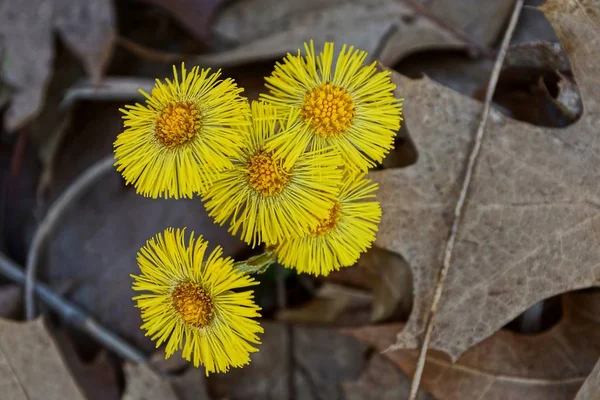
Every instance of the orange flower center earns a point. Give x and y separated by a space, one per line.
329 109
327 224
192 304
177 124
265 175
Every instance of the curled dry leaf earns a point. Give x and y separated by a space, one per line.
531 221
387 275
31 366
26 32
389 30
548 366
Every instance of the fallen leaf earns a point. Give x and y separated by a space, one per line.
185 380
97 378
387 275
381 380
31 366
87 27
26 29
320 360
195 15
190 385
548 366
331 304
144 384
93 247
528 230
591 386
269 29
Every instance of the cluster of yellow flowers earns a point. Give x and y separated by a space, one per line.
287 171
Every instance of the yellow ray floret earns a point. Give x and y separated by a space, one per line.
175 145
343 104
190 302
269 199
341 237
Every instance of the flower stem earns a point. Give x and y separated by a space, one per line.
257 264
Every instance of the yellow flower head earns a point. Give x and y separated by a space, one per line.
341 237
192 300
268 198
184 135
343 104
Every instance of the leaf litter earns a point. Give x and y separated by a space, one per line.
547 366
31 366
389 30
86 26
530 226
376 362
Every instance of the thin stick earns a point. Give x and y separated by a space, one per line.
72 315
52 217
461 199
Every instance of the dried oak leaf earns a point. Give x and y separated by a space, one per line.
26 41
531 224
389 30
548 366
31 366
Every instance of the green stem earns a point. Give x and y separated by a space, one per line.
257 264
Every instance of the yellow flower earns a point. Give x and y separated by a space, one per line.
192 300
266 199
341 237
184 135
347 105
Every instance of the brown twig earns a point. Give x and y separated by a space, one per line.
81 184
475 49
72 315
474 155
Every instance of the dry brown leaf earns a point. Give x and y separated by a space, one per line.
30 365
144 384
548 366
389 30
185 381
331 304
381 380
97 378
195 15
387 275
530 229
320 360
26 29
